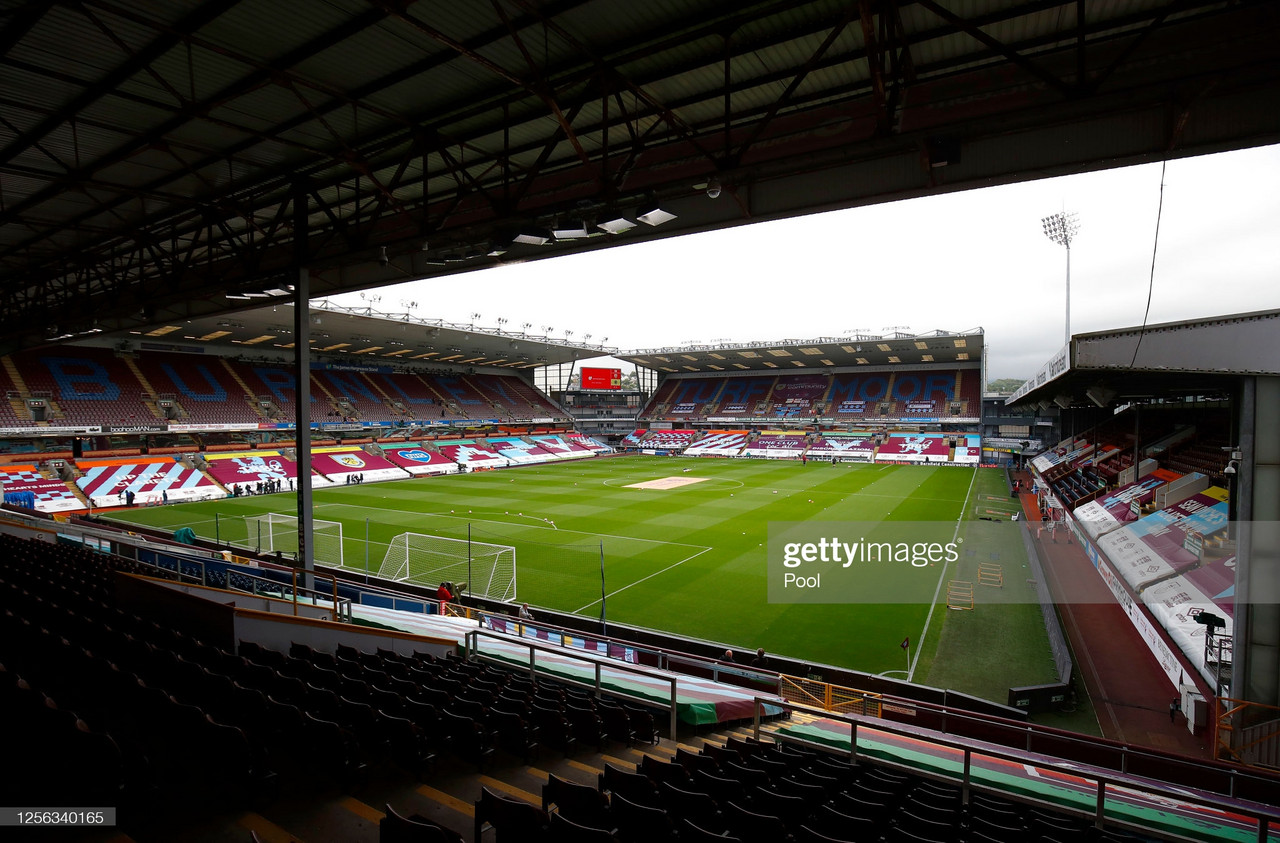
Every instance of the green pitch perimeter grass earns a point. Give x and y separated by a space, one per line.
689 560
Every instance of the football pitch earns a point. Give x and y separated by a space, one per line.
684 546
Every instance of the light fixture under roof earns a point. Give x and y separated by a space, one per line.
656 217
532 237
571 230
617 226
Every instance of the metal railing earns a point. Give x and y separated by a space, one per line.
1103 780
473 652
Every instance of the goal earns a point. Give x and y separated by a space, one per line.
277 531
488 569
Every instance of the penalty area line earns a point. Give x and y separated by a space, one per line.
642 579
537 524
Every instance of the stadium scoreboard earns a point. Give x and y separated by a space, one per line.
593 378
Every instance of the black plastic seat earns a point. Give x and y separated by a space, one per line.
579 802
641 823
565 830
513 821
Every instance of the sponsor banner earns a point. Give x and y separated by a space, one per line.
799 388
135 428
1055 368
352 367
196 428
48 431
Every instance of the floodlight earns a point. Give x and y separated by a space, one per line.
656 217
532 237
617 226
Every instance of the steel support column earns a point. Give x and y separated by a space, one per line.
302 381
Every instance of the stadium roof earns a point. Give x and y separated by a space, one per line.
375 337
155 157
822 352
1166 361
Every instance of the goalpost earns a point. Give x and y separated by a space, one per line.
276 531
488 569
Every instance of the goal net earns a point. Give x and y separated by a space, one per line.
488 569
276 531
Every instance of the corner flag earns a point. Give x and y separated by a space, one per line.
906 643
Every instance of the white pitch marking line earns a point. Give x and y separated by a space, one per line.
642 579
938 589
456 517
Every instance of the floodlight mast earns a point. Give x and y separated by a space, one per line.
1061 228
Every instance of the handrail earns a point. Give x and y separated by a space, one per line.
1263 815
341 605
667 659
473 651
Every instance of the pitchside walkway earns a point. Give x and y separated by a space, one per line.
1130 692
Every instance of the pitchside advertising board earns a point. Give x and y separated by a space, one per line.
601 378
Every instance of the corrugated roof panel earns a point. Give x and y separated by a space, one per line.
45 45
262 108
41 92
212 72
125 113
269 30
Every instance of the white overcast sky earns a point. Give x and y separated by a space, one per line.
972 259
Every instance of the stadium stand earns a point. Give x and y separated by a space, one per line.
13 410
969 451
740 397
107 482
632 439
234 470
25 485
86 386
275 385
1174 603
206 391
515 398
352 395
462 399
247 720
415 397
718 443
850 446
562 447
471 454
520 451
342 464
668 440
419 459
587 443
661 402
798 395
915 447
776 445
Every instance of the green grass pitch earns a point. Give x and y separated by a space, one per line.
689 560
